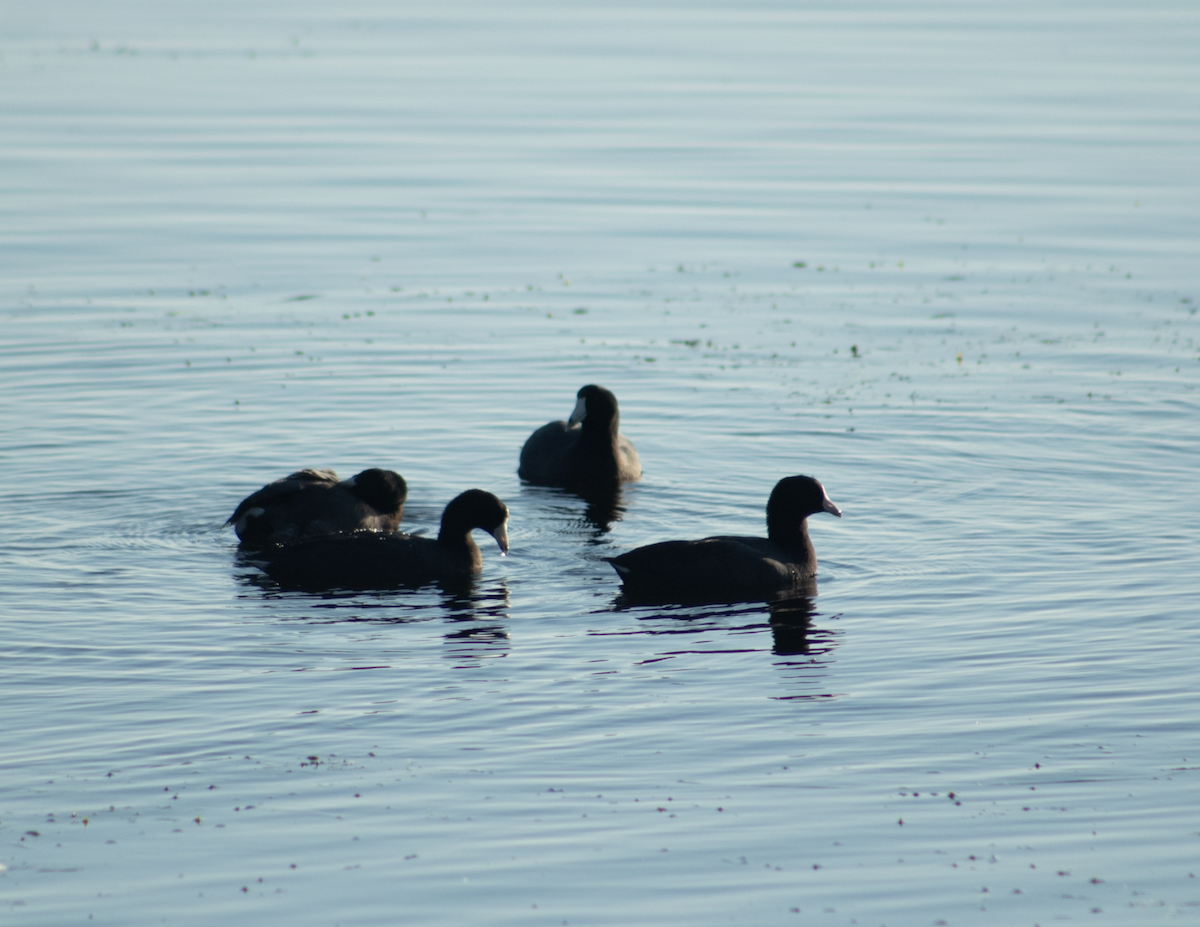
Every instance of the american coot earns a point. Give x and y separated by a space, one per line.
369 560
311 503
585 452
735 569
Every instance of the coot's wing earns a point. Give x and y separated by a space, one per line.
280 489
629 465
361 560
545 454
719 569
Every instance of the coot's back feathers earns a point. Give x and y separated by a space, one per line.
368 560
312 503
587 451
734 569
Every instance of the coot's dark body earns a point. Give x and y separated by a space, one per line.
369 560
735 569
586 452
312 503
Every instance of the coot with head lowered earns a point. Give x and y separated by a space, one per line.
311 503
735 569
369 560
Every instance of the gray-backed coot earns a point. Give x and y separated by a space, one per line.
311 503
587 451
369 560
734 569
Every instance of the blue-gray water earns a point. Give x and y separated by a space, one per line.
241 238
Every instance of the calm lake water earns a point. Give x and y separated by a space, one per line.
944 258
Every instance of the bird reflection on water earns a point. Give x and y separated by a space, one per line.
603 505
805 648
791 627
477 612
471 641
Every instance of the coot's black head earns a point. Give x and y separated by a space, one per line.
596 407
476 508
792 500
384 490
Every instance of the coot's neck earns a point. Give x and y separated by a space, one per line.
455 539
596 451
598 430
792 536
457 536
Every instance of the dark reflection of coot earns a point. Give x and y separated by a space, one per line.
604 506
477 624
312 503
368 560
802 650
734 569
476 613
791 622
601 507
477 603
468 646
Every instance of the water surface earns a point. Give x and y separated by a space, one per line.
942 258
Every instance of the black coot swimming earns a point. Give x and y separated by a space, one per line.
735 569
586 452
369 560
311 503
